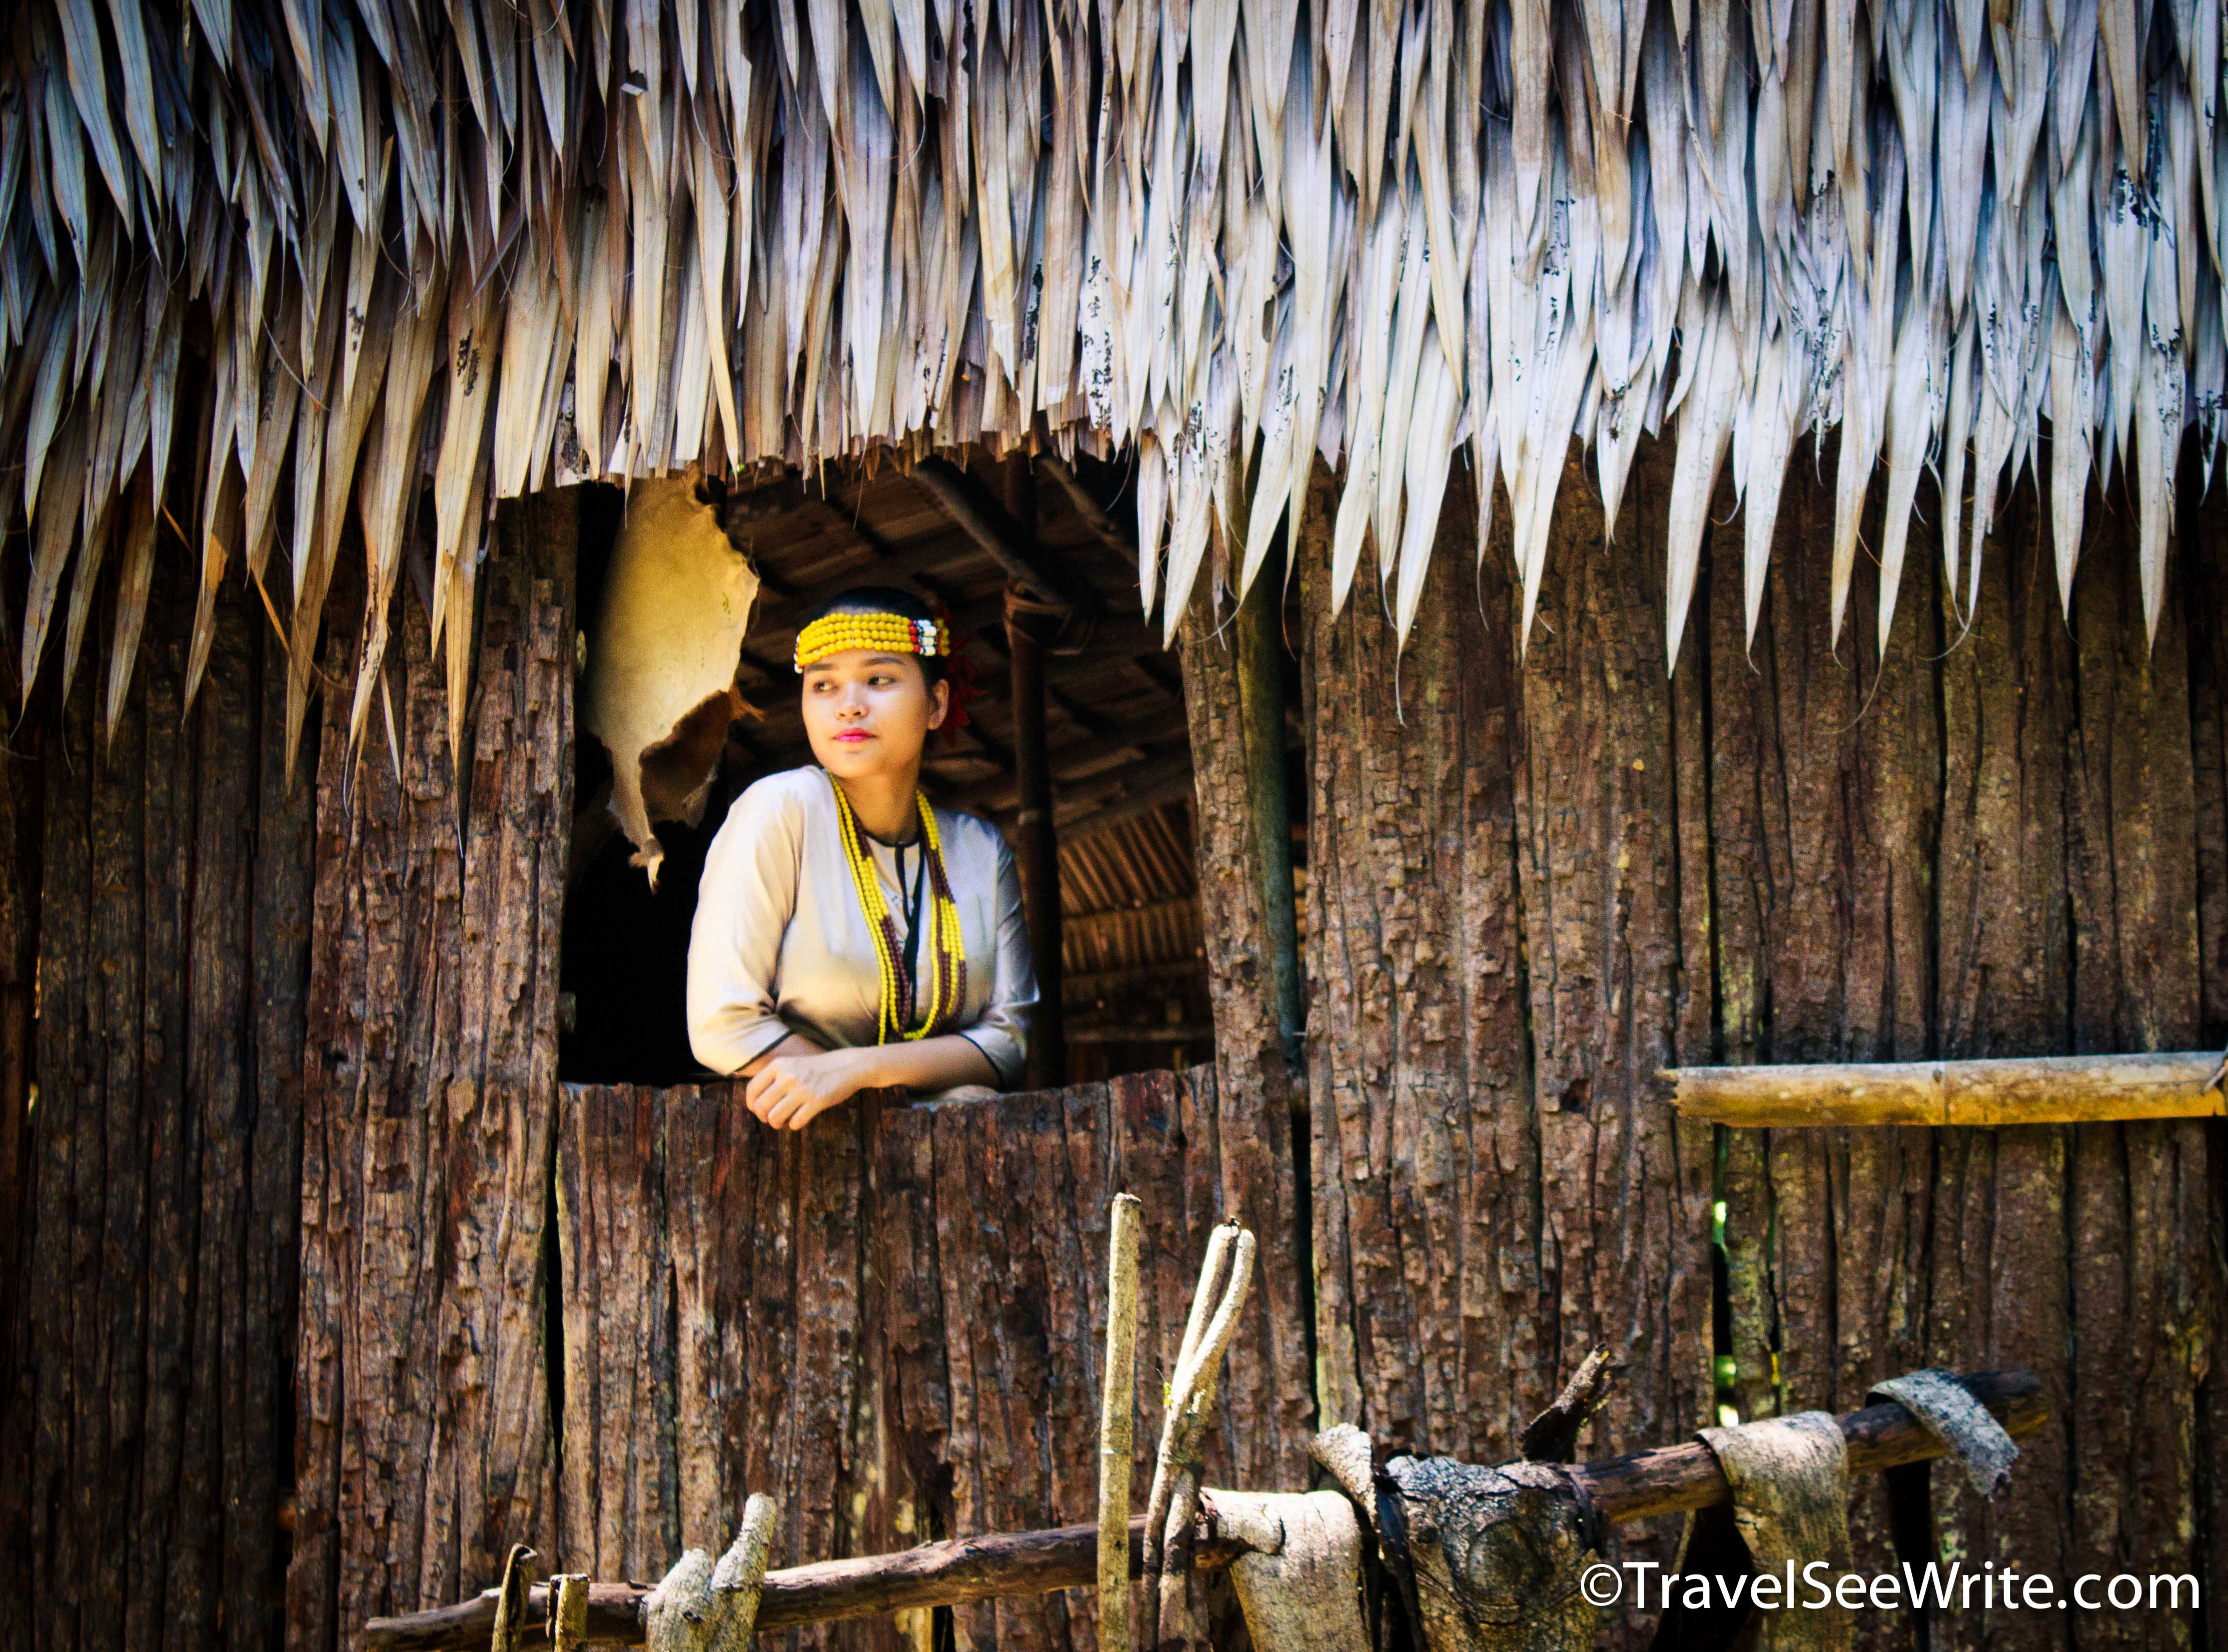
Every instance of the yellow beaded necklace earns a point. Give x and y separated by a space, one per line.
947 949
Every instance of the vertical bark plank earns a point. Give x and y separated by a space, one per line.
22 812
618 1513
165 1206
1261 1102
271 1278
731 1282
33 1418
327 1225
1824 779
823 1174
22 829
144 1446
2145 1277
217 870
501 1070
1435 1308
911 1373
364 1386
424 1440
2203 589
1010 1391
710 1198
1624 1185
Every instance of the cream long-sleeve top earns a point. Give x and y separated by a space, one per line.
780 946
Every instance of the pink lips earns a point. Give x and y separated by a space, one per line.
854 736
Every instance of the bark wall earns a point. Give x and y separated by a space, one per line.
144 1450
1261 1099
1501 950
424 1442
1998 856
1535 881
2204 545
892 1325
23 816
320 1024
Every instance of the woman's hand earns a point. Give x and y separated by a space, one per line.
797 1080
789 1091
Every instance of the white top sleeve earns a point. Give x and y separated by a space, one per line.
743 906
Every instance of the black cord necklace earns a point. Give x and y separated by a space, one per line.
912 895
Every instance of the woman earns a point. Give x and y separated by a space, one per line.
848 936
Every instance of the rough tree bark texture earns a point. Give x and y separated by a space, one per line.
1824 951
1263 1122
1533 881
21 849
1986 846
1498 953
890 1324
423 1445
2205 588
145 1450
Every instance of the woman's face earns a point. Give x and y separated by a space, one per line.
868 712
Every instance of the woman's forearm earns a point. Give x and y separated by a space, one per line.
795 1044
928 1064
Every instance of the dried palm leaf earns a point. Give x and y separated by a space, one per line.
1221 230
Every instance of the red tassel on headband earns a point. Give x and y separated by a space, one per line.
959 675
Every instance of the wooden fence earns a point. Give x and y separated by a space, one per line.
892 1326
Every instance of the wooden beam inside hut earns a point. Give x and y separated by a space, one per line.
1036 612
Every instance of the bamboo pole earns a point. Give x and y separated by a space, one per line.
2040 1090
1118 1405
568 1618
1261 645
1661 1481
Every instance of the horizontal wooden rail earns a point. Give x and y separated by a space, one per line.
1670 1478
2040 1090
958 1569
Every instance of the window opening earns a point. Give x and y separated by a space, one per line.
1135 989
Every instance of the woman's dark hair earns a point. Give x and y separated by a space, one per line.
884 599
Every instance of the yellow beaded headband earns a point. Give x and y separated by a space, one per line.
885 633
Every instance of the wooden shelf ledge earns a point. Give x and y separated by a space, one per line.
2039 1090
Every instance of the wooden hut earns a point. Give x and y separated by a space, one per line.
1512 546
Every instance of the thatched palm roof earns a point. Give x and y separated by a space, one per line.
476 248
